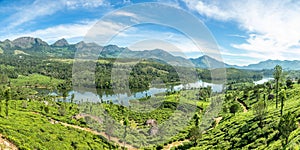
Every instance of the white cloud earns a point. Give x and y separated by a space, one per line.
272 25
30 12
210 10
102 32
73 4
173 3
41 8
142 38
51 34
125 13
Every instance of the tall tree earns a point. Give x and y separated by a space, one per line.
194 135
7 95
277 76
286 126
72 97
196 118
1 97
282 96
260 112
126 124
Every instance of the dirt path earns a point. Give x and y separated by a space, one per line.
242 104
87 115
174 144
6 145
114 139
218 120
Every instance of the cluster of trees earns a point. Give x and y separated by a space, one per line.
140 75
25 65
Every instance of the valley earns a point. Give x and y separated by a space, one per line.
148 104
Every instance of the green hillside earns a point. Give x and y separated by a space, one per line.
254 127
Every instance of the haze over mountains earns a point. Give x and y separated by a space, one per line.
61 48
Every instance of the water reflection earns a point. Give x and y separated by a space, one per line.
123 97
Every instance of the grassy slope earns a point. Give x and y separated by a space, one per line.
30 130
36 80
31 127
161 108
242 130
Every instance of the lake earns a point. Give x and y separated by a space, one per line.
98 95
263 80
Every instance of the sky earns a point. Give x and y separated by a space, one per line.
243 32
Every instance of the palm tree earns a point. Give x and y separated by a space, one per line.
277 76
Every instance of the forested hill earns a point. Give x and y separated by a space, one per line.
269 64
62 49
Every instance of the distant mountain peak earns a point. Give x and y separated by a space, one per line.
28 42
60 43
270 64
7 41
206 61
111 46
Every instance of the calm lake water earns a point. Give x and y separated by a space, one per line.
263 80
97 95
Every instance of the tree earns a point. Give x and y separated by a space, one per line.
7 95
286 126
228 97
1 96
282 96
277 76
65 95
64 88
62 110
72 97
234 108
289 83
195 134
260 112
196 118
126 124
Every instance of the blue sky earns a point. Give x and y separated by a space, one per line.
246 31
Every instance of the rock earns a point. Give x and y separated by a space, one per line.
61 43
151 122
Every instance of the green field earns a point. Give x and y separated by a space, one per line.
36 81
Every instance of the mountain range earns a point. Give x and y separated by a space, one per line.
61 48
